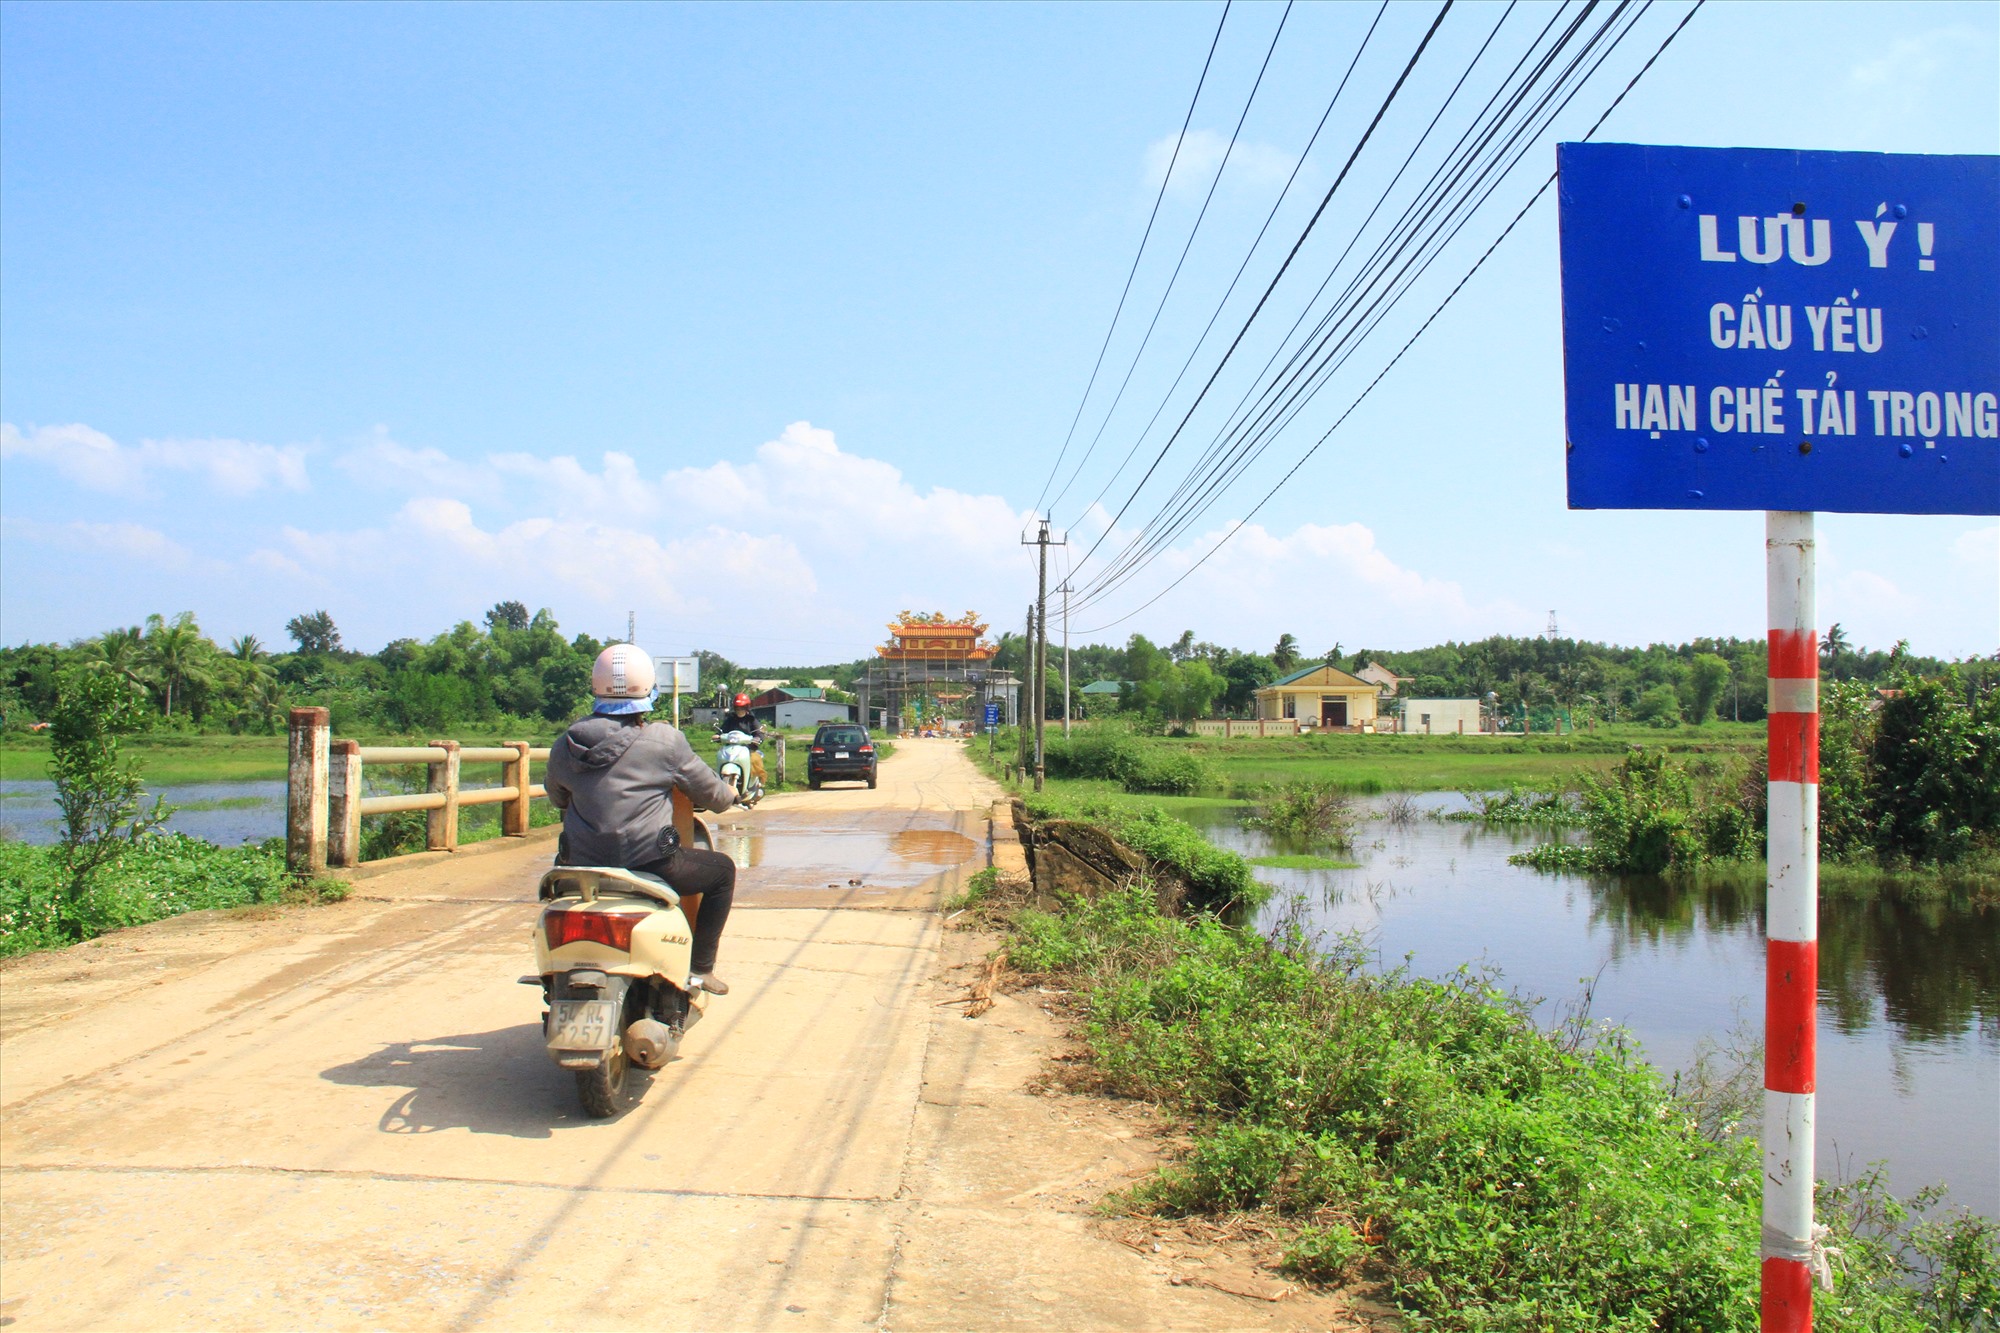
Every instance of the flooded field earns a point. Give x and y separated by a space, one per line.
1909 1019
224 813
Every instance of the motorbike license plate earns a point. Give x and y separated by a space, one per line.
840 754
582 1025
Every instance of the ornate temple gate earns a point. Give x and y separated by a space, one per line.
936 670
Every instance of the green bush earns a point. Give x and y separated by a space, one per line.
1653 815
159 875
1164 773
1317 814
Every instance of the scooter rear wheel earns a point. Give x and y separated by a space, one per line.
607 1090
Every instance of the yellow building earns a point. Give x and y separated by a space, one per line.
1324 697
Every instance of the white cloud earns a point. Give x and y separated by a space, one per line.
1201 153
1980 548
94 543
94 460
435 550
1330 582
1910 61
382 461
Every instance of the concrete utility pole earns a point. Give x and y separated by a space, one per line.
1066 689
1039 647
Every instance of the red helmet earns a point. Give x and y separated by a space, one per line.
742 701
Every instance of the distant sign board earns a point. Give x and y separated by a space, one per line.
1753 328
678 675
992 715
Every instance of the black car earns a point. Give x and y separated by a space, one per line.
841 752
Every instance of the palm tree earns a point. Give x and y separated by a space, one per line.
1285 655
1832 646
265 700
120 653
248 648
178 654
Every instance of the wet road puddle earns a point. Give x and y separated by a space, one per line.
892 859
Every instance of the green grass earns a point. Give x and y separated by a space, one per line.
165 760
1303 862
1424 1133
1247 767
159 876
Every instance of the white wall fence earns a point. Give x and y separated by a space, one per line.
1230 728
324 802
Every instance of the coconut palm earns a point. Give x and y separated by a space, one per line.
1832 646
120 653
248 648
178 654
1286 654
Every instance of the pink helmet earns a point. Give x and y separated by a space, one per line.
623 671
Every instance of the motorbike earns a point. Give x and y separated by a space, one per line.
613 950
732 761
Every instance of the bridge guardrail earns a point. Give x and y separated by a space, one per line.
324 801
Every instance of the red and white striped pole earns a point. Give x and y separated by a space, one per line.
1791 922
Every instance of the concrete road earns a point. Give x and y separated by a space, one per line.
343 1117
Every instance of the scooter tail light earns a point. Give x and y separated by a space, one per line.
613 929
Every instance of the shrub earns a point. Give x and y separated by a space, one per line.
159 875
1169 773
100 795
1312 813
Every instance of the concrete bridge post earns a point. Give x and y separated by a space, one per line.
305 791
443 819
343 837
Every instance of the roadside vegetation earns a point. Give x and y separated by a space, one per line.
111 866
1909 798
1427 1136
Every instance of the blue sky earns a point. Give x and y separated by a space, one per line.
765 322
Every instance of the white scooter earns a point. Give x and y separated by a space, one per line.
732 761
613 952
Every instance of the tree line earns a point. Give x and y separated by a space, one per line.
518 668
513 669
1664 685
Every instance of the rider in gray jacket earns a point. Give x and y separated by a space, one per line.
613 775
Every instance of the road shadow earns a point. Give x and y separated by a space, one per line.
498 1082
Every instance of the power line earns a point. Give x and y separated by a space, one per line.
1411 342
1230 425
1178 143
1296 387
1367 134
1214 182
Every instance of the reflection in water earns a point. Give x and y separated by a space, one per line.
1930 970
879 851
932 847
1909 1038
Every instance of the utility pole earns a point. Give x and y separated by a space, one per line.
1040 645
1066 689
1027 668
